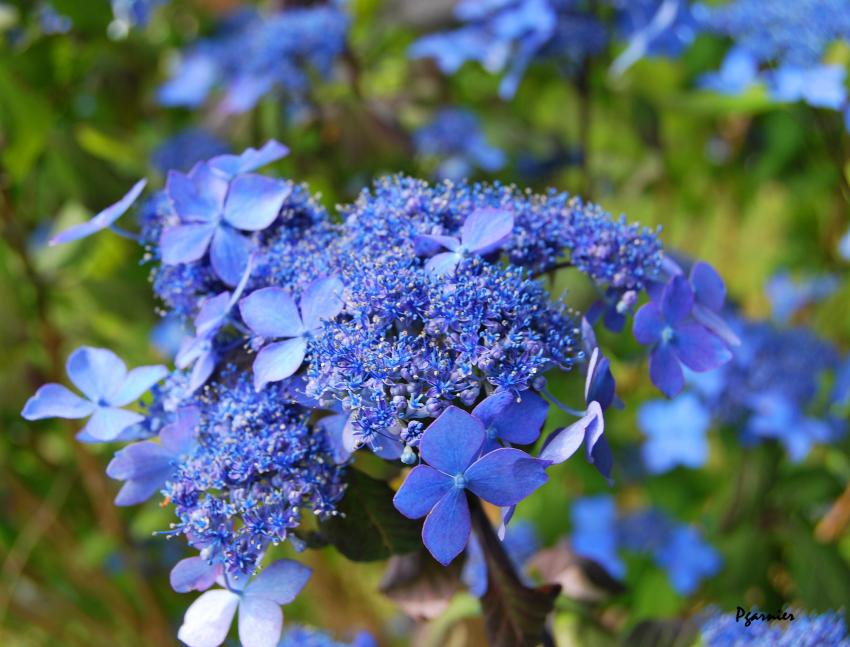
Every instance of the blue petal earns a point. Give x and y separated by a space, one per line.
197 197
137 382
442 264
599 385
251 159
421 490
56 401
139 460
506 476
179 437
485 230
193 574
279 582
201 371
108 422
278 361
665 371
699 349
254 201
563 443
446 529
512 421
333 427
137 491
260 622
474 573
97 372
271 313
648 324
229 253
103 219
212 314
602 458
709 289
677 300
185 243
430 244
208 620
192 82
452 441
321 300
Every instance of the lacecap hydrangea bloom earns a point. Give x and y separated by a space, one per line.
419 328
785 628
254 53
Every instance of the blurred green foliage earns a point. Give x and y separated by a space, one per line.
749 186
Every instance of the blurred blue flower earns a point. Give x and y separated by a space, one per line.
520 544
306 637
51 21
651 28
594 535
787 296
844 243
135 12
207 621
720 629
451 446
676 433
107 386
454 138
183 150
737 73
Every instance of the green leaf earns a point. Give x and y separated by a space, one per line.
26 120
369 528
662 633
822 577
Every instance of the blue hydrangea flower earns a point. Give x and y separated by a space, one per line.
451 446
675 432
454 138
107 386
737 73
306 637
720 629
788 296
194 574
208 619
272 313
687 558
103 220
676 338
652 27
183 150
135 12
146 466
50 21
511 419
844 243
594 535
213 207
483 231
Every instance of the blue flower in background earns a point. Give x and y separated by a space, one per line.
454 137
787 296
520 544
652 28
774 416
675 431
844 243
451 446
306 637
146 466
107 386
600 534
183 150
720 629
737 73
135 12
254 53
271 313
207 621
676 338
51 21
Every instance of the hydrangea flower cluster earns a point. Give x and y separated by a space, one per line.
508 35
805 630
601 533
454 137
782 45
417 328
255 53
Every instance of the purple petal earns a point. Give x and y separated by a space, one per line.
280 582
185 243
193 574
421 490
212 314
648 324
179 437
446 529
251 159
602 458
506 476
278 361
563 443
387 447
321 300
103 219
108 422
271 313
139 460
485 230
198 197
56 401
254 201
677 300
333 426
229 253
452 441
595 428
709 289
699 349
138 381
208 620
442 264
201 371
599 385
512 421
665 371
97 372
260 622
430 244
136 491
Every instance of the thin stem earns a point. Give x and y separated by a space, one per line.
562 406
129 235
551 270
